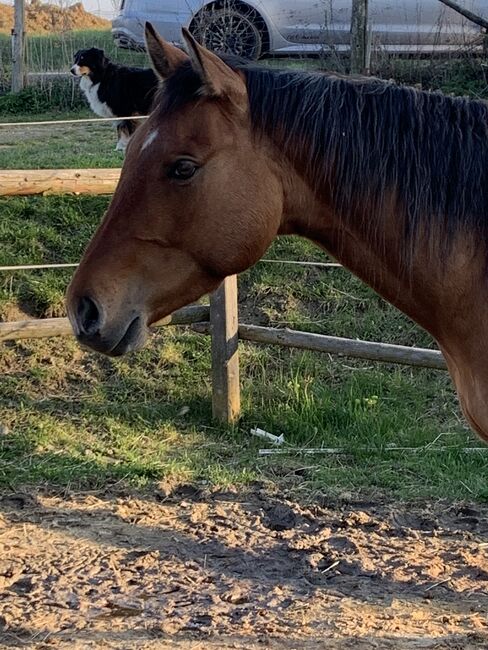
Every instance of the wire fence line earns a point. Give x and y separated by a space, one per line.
81 120
36 267
72 265
327 265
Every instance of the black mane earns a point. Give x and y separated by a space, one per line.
364 141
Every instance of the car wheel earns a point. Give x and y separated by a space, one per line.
230 31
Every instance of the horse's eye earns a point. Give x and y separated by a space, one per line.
182 170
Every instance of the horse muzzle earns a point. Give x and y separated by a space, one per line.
113 339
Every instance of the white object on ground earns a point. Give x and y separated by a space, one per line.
260 433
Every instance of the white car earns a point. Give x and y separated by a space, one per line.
252 28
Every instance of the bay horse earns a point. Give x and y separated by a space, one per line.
390 180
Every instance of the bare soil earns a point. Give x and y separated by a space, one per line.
196 568
45 18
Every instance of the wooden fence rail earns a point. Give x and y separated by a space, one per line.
48 327
25 182
372 351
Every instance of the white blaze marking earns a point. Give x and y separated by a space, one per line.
150 139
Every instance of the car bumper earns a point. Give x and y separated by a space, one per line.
128 31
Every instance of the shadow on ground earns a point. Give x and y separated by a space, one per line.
190 567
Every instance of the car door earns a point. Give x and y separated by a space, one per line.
298 21
166 17
413 25
394 24
401 25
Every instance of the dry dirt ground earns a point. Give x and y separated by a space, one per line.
45 18
195 568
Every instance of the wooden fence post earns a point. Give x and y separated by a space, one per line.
226 399
18 33
360 37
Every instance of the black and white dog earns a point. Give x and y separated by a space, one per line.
115 90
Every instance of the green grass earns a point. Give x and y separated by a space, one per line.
57 147
77 419
40 230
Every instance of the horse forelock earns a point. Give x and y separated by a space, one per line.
179 89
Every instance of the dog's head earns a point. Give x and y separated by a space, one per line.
88 62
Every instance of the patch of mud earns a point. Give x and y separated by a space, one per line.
212 569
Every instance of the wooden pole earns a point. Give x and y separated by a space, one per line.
360 49
18 49
24 182
383 352
47 327
225 360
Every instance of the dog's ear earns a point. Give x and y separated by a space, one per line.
76 54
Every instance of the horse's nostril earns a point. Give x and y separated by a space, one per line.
88 316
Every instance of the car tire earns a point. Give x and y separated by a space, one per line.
230 31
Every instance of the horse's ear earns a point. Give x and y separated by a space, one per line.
166 58
218 79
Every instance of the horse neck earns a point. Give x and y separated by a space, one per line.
429 289
341 146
